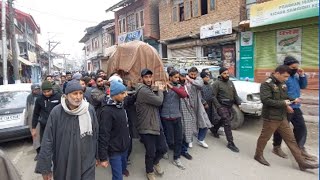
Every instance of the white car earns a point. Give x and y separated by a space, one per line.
249 93
13 125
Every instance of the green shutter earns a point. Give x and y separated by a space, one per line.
265 49
310 46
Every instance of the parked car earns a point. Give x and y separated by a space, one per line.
13 125
249 93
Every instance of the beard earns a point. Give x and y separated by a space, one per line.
74 102
225 79
182 82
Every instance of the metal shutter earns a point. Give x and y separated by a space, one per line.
185 52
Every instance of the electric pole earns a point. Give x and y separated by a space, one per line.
49 51
14 43
4 42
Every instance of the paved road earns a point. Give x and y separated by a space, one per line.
217 162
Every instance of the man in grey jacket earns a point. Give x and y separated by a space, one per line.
70 139
149 125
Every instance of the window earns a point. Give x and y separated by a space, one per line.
95 43
195 8
122 25
139 19
131 22
175 14
187 10
181 12
212 5
204 7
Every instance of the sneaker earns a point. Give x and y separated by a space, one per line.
165 156
232 147
126 173
187 156
190 145
178 163
203 144
158 170
151 176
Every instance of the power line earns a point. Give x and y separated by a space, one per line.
56 15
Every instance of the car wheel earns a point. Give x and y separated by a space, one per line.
238 117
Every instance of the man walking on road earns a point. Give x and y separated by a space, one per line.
70 139
43 106
171 116
296 82
114 136
276 104
224 97
56 87
98 93
149 125
31 99
194 86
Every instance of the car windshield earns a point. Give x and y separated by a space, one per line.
13 99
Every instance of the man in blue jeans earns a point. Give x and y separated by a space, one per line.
296 82
114 137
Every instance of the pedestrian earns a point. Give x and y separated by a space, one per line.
31 99
62 81
43 107
224 97
55 86
276 104
207 95
114 136
68 78
149 127
86 90
101 73
77 76
98 93
189 127
296 81
171 116
70 139
194 85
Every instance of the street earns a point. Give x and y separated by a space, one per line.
217 162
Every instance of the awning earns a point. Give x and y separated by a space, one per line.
24 61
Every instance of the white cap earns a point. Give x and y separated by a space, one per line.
115 78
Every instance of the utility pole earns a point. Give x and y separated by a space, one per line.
13 43
49 51
4 42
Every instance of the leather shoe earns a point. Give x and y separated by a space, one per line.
307 165
308 156
261 160
278 151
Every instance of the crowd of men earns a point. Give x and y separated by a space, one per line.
82 122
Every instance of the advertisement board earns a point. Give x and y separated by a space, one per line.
246 70
216 29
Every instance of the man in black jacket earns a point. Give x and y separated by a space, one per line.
43 106
114 137
224 97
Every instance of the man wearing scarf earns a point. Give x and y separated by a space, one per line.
70 139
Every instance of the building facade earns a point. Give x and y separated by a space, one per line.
96 41
137 20
283 28
201 30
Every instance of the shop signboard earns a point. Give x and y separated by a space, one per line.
277 11
216 29
131 36
246 56
288 43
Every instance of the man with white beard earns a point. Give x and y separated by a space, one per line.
70 138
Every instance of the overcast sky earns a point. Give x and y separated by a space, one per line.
66 20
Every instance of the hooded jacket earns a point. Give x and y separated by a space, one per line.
147 105
114 136
43 107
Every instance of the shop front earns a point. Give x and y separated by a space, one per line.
291 30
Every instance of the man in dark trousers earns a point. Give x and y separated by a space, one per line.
276 104
296 81
43 106
224 97
69 146
149 125
114 136
171 116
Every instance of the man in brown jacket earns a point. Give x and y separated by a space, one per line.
276 104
